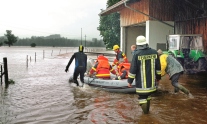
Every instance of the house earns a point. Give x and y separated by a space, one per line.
156 19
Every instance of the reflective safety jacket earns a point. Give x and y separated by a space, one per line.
119 55
102 68
145 69
123 70
163 62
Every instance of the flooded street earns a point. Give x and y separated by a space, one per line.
42 95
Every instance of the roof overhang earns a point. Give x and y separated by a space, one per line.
114 8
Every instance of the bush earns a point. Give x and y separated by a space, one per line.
33 45
1 43
11 81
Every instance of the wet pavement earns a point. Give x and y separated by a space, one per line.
42 95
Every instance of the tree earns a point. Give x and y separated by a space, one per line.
10 38
109 27
33 44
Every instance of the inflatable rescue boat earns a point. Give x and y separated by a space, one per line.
119 86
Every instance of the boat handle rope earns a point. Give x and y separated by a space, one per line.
91 80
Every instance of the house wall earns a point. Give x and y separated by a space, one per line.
144 10
129 17
188 20
156 32
162 10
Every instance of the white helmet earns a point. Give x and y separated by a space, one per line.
141 40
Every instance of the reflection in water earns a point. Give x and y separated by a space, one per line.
41 94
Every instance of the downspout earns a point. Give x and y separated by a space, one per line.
146 14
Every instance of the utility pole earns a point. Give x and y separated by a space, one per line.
81 36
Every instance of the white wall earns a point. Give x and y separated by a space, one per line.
156 32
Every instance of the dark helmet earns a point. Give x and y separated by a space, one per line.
81 48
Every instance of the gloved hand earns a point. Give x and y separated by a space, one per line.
112 65
90 75
117 74
66 70
129 85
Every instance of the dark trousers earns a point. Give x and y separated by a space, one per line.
174 81
81 71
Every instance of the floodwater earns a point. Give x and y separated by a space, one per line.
41 94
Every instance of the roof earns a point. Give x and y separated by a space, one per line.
114 8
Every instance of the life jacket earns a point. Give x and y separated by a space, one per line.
102 58
124 66
103 68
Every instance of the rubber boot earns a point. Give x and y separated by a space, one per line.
76 82
144 108
176 90
183 89
82 83
148 103
71 80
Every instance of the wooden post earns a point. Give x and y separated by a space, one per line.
6 72
60 51
43 54
52 52
1 74
27 60
35 56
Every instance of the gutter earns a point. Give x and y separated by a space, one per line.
146 14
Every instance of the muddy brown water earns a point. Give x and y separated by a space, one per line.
42 95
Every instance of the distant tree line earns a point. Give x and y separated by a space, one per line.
58 42
11 39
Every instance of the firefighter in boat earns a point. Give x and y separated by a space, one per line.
102 68
119 55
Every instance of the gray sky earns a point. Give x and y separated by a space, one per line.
28 18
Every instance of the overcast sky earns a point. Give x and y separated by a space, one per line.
28 18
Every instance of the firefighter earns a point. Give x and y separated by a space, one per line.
102 68
123 70
146 70
80 65
119 54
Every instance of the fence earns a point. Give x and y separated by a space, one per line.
50 53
